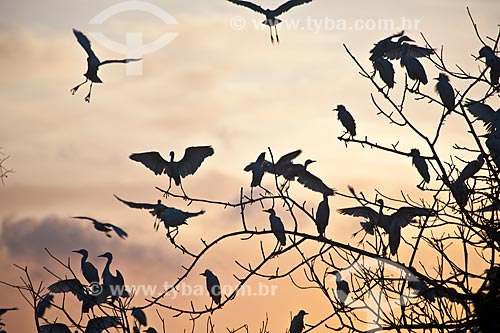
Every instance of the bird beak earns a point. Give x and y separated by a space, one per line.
76 251
203 274
102 256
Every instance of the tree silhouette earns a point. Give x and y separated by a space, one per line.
431 266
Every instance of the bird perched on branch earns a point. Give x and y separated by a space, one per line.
44 304
386 71
190 162
213 286
297 324
471 168
104 227
171 217
342 287
421 165
117 282
492 62
445 91
486 114
271 15
347 120
277 226
413 67
100 324
388 48
140 316
307 179
93 63
322 216
89 271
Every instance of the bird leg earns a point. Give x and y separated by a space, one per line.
87 98
185 195
74 89
276 33
271 32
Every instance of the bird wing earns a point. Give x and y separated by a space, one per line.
136 205
362 211
119 231
413 51
483 112
85 218
287 158
250 5
84 42
120 61
151 160
289 5
70 285
312 182
405 215
192 159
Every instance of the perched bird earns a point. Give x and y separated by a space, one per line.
342 287
486 114
297 324
387 48
471 169
54 328
421 165
386 71
391 224
347 120
104 227
413 67
117 282
492 62
140 316
276 226
460 192
93 63
445 91
171 217
100 324
190 162
257 168
44 304
89 271
322 216
271 15
213 286
307 179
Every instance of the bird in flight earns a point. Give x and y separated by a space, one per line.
104 227
190 162
271 15
93 63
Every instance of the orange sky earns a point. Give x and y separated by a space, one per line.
214 84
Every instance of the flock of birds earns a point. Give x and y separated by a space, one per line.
397 46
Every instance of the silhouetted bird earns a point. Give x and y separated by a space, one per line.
421 165
213 286
171 217
486 114
492 62
386 71
445 91
43 305
89 271
283 164
93 63
54 328
342 287
387 45
190 162
271 15
471 169
117 282
347 120
5 310
78 290
460 192
100 324
104 227
413 67
140 316
322 216
297 324
307 179
276 226
257 168
151 330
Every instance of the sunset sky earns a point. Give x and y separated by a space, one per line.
219 82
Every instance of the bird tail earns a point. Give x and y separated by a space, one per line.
197 213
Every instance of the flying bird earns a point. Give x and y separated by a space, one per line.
297 324
276 226
93 63
190 162
213 286
342 287
89 271
104 227
116 282
322 216
445 91
492 62
347 120
271 15
258 169
486 114
171 217
294 171
386 71
421 165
